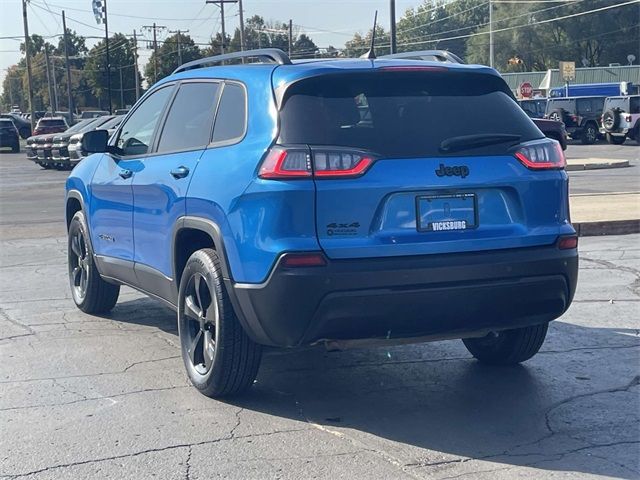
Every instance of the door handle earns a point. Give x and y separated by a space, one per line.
180 172
125 174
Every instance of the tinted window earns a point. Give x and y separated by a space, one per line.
136 133
189 121
6 124
51 122
611 103
401 114
635 106
556 104
232 112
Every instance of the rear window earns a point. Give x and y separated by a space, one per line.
401 114
5 123
51 122
565 104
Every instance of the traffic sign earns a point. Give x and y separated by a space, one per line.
526 90
568 71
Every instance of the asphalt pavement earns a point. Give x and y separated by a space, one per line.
613 180
106 397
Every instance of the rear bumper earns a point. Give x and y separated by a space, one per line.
438 296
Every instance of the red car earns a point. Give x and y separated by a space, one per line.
50 125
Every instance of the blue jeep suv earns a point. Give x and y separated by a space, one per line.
280 203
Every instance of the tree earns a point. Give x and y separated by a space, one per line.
121 51
168 59
304 47
359 45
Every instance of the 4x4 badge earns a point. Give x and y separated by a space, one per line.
457 171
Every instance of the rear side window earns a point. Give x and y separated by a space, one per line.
557 104
232 114
634 106
611 103
589 106
401 114
6 124
189 121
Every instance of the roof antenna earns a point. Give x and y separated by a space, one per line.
371 54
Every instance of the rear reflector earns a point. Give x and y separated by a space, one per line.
568 242
541 155
285 163
303 260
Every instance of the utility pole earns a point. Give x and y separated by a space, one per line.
66 58
121 89
220 3
135 56
490 33
46 61
290 37
106 36
27 51
392 15
241 27
10 88
55 84
155 27
179 32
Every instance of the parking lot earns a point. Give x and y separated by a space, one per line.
107 397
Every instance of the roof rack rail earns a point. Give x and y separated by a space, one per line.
437 55
275 55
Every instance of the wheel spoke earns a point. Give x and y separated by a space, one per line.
75 246
193 348
75 275
83 280
196 284
207 350
191 309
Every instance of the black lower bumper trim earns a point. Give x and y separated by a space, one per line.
431 295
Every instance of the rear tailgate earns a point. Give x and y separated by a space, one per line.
416 197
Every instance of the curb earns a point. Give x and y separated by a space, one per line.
596 165
607 227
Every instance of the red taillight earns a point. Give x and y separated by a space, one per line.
314 259
286 163
541 155
292 162
574 118
568 242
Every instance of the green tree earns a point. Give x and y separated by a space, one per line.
359 45
121 50
168 59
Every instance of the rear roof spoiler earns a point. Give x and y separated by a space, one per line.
427 55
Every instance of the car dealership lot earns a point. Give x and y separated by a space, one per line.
84 396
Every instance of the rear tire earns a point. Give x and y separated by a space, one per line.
220 359
509 346
616 139
90 292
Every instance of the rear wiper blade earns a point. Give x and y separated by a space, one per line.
465 142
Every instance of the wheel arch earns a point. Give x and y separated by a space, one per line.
191 234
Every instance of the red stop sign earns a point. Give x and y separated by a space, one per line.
526 90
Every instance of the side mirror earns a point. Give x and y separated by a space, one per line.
95 141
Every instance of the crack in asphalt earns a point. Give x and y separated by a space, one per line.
5 316
149 450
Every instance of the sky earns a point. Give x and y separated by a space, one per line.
327 22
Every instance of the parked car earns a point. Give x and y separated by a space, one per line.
254 201
121 111
534 107
580 115
50 125
552 129
23 125
93 114
76 153
621 119
60 142
9 136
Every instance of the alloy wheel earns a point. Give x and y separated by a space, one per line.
79 264
200 320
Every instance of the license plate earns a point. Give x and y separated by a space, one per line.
441 213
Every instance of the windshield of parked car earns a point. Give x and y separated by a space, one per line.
401 114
